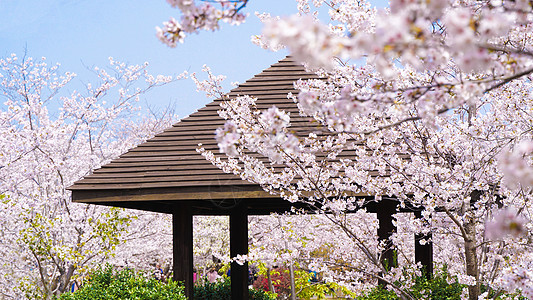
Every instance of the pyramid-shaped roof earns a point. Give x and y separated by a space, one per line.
168 168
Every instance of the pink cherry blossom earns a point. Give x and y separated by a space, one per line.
506 222
428 102
53 135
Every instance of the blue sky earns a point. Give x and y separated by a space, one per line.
84 33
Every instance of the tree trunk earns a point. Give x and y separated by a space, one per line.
293 287
291 269
269 280
64 280
471 257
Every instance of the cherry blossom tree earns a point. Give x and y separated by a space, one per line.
448 166
426 102
308 242
194 18
211 241
53 135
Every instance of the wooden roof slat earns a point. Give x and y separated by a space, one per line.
193 155
220 122
129 179
265 103
166 140
285 63
287 67
286 107
280 73
172 143
154 174
295 122
267 83
181 148
209 134
283 100
247 92
140 168
250 87
159 159
159 153
150 185
280 96
198 134
268 79
141 164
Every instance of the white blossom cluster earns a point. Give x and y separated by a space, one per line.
51 138
428 102
203 17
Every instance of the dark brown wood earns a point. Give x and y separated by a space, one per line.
293 67
153 185
274 85
182 230
142 179
266 78
424 253
238 226
148 174
279 74
268 82
386 228
151 169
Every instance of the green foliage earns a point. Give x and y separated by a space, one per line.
217 290
280 280
105 284
378 293
261 295
305 285
501 295
437 288
442 286
109 227
40 237
221 290
306 288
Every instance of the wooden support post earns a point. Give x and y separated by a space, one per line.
386 208
182 248
424 253
238 226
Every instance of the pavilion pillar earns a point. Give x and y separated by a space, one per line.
238 226
385 209
182 247
424 253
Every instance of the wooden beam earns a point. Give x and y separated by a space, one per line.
183 247
170 194
238 226
385 230
424 253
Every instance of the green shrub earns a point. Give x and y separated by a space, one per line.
105 284
378 293
221 290
306 284
436 288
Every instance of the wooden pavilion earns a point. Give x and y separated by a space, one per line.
166 174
